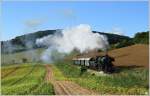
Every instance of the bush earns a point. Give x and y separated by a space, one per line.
83 69
141 38
24 60
124 43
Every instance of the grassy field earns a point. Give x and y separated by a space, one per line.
127 81
29 78
30 55
26 79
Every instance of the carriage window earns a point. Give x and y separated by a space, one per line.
78 61
87 62
82 62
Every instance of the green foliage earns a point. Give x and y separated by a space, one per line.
43 89
128 81
83 69
24 60
68 70
142 37
58 74
139 38
123 43
26 80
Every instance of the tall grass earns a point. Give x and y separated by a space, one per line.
128 81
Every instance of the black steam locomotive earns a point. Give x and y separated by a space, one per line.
99 63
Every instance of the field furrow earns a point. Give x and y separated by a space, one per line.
27 80
8 71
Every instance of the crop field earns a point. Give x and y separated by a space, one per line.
25 79
129 81
29 78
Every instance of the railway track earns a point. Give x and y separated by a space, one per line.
66 87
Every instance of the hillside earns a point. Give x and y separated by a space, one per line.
21 43
135 55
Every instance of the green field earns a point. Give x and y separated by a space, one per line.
129 81
26 79
19 79
29 79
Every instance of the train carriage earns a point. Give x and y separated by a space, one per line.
82 61
89 62
96 63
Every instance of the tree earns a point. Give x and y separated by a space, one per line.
24 60
124 43
141 38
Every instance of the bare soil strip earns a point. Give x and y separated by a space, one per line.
66 87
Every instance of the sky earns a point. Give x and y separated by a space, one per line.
124 18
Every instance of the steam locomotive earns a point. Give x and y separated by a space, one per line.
98 63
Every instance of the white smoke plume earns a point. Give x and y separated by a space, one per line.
79 37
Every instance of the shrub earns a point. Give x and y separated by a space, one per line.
24 60
141 37
124 43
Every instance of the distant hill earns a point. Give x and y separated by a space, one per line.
114 38
20 43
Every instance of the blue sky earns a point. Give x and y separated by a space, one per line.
23 17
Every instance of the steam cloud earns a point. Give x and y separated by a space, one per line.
79 38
